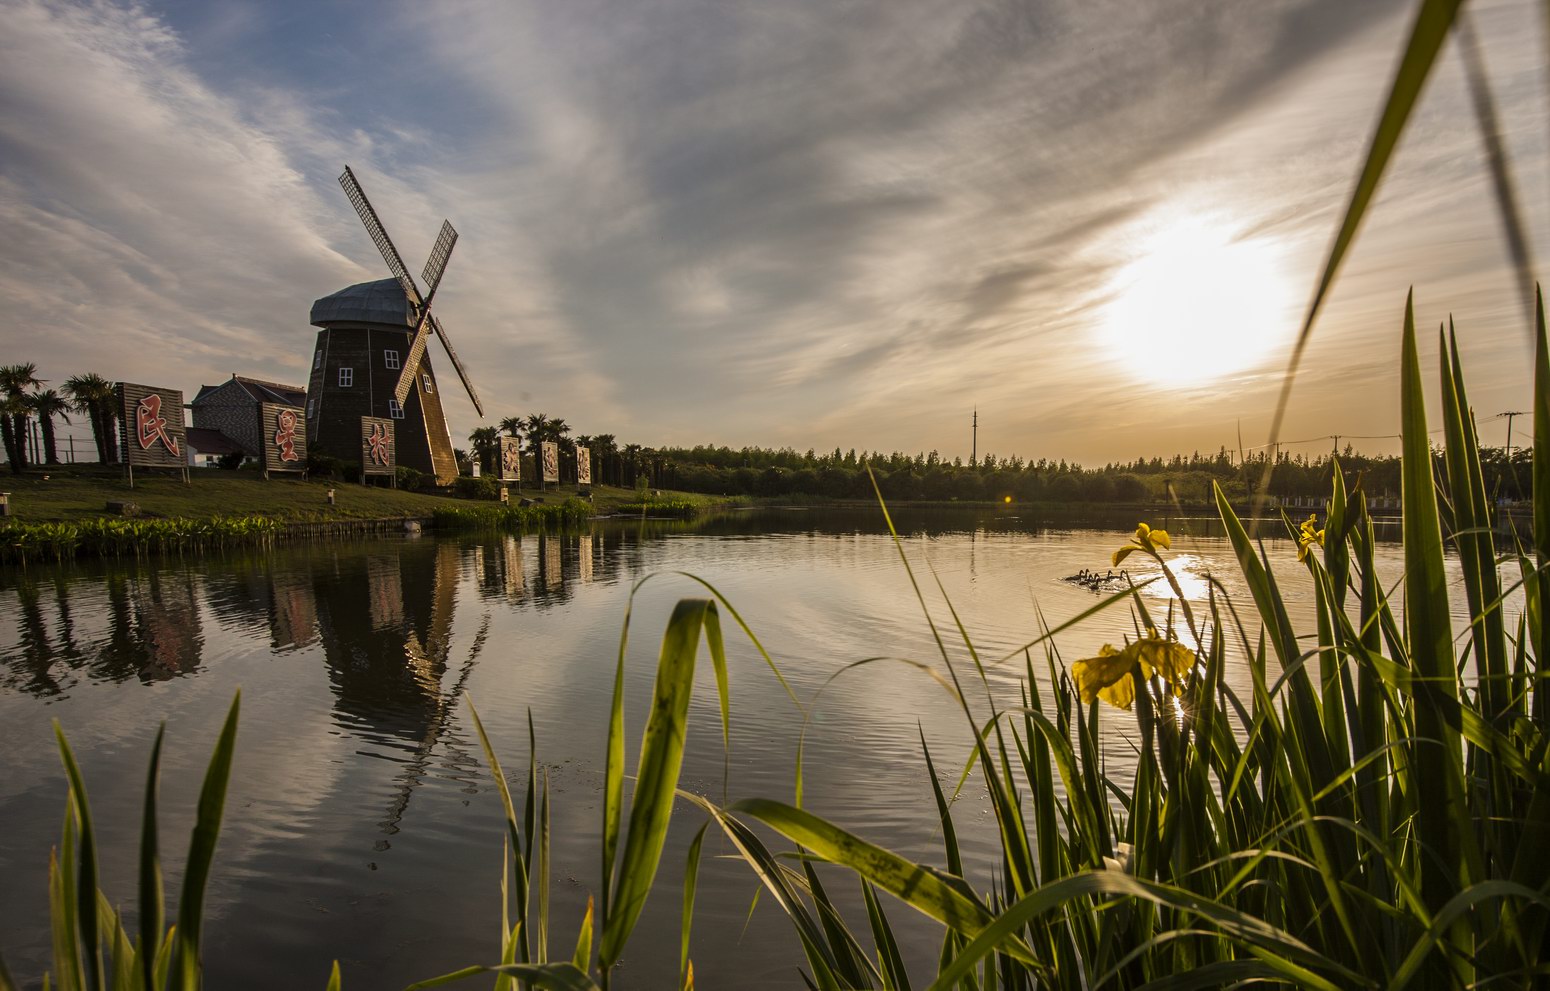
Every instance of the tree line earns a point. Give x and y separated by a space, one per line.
838 474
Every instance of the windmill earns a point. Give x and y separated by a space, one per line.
371 359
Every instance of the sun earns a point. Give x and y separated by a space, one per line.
1196 302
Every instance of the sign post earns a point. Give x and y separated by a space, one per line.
511 461
379 453
153 432
282 438
550 459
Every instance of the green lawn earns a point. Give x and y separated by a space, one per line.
79 493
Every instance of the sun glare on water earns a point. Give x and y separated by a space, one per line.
1196 302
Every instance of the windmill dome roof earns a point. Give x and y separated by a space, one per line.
381 302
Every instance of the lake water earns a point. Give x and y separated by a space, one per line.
361 822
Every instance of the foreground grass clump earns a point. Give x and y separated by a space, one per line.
1374 815
682 509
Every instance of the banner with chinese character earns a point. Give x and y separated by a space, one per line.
283 437
379 456
550 456
583 466
511 460
153 431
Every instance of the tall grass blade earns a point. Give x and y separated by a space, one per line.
1442 812
1430 30
545 976
335 982
201 850
152 898
513 831
691 879
86 874
920 887
656 781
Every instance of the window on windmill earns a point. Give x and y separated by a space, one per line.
309 408
394 410
317 359
346 377
390 359
429 385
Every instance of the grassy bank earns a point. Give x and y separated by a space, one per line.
74 493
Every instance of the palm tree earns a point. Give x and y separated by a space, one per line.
537 427
15 382
94 396
9 407
486 444
512 425
631 454
604 452
47 404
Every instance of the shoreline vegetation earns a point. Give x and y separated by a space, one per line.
62 514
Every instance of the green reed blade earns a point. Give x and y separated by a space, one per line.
1542 505
583 955
920 887
86 876
1290 956
691 878
61 903
943 810
853 966
201 849
894 975
545 976
152 896
656 780
1428 635
6 982
1430 30
770 874
1471 531
543 872
513 833
335 982
1452 912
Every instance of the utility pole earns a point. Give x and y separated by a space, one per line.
1509 415
974 448
1336 439
1511 468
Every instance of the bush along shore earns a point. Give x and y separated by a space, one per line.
23 542
1374 814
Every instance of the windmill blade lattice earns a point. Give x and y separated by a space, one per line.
441 253
379 236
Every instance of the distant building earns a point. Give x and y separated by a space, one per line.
207 446
232 408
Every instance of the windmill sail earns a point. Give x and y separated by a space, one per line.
457 364
379 235
436 264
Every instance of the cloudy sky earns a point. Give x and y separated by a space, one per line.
777 223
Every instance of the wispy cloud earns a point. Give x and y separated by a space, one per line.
693 221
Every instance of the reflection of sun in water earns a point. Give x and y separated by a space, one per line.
1196 302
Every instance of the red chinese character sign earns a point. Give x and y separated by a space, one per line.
550 456
379 456
283 437
511 460
153 426
583 465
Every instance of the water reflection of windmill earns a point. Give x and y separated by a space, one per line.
386 624
371 357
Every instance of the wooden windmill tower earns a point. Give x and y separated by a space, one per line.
371 361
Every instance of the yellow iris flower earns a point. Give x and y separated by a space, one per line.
1146 539
1107 676
1309 536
